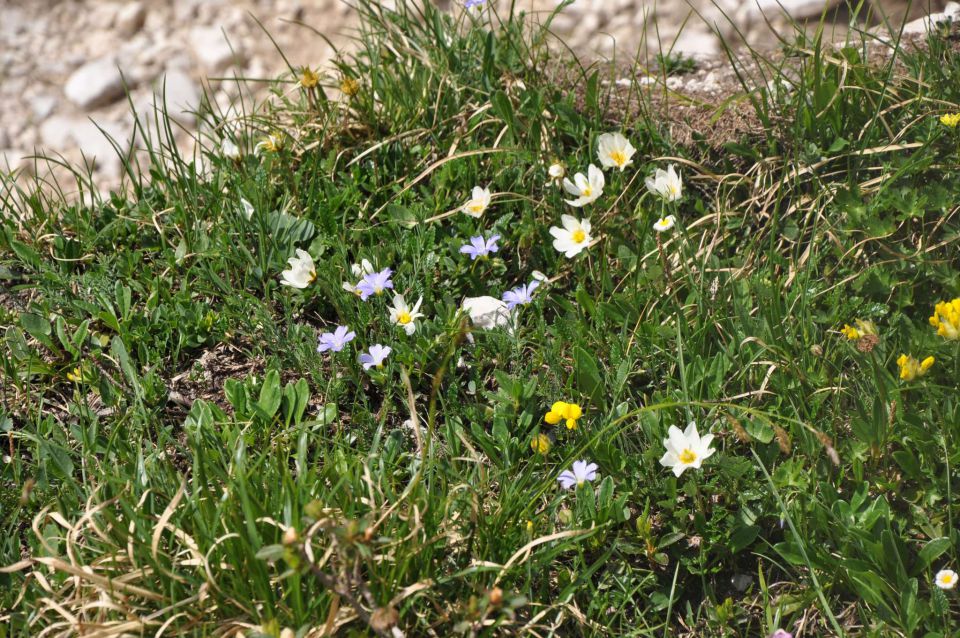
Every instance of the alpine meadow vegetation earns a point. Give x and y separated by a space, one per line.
463 337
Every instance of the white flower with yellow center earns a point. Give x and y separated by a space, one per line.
615 151
666 183
359 271
586 188
301 273
401 314
664 223
685 449
946 579
478 203
556 171
573 237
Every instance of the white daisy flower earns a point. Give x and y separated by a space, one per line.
664 223
685 449
573 237
666 183
946 579
478 203
301 273
615 151
586 188
401 314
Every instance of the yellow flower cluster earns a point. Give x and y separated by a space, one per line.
349 86
561 411
950 119
309 78
541 444
946 319
911 368
863 329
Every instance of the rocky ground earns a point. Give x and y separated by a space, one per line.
65 65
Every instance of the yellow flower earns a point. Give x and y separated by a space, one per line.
541 444
349 86
946 319
911 369
309 78
950 120
863 329
529 527
75 375
561 411
271 143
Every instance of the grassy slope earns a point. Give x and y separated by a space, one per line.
151 484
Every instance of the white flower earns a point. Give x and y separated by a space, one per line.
664 223
666 184
573 237
247 208
585 189
556 171
539 276
404 316
363 268
486 312
478 202
230 150
685 449
301 273
946 579
615 151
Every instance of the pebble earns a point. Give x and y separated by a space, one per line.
212 49
129 19
95 84
180 93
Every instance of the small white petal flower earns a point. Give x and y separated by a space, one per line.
556 171
230 150
247 208
664 223
363 268
539 276
486 312
685 449
614 151
573 237
946 579
586 188
301 273
666 184
478 203
401 314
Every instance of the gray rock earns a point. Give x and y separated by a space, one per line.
42 106
129 19
57 132
13 160
211 48
180 93
4 138
95 84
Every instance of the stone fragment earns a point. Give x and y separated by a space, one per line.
95 84
129 19
210 46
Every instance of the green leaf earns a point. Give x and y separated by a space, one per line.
587 376
270 395
932 551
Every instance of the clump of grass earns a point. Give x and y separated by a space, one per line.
179 457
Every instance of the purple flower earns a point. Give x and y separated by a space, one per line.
375 357
479 247
374 283
471 4
583 472
335 340
521 295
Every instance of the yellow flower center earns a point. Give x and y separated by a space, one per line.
687 456
403 317
674 190
587 191
618 157
313 276
578 236
476 208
